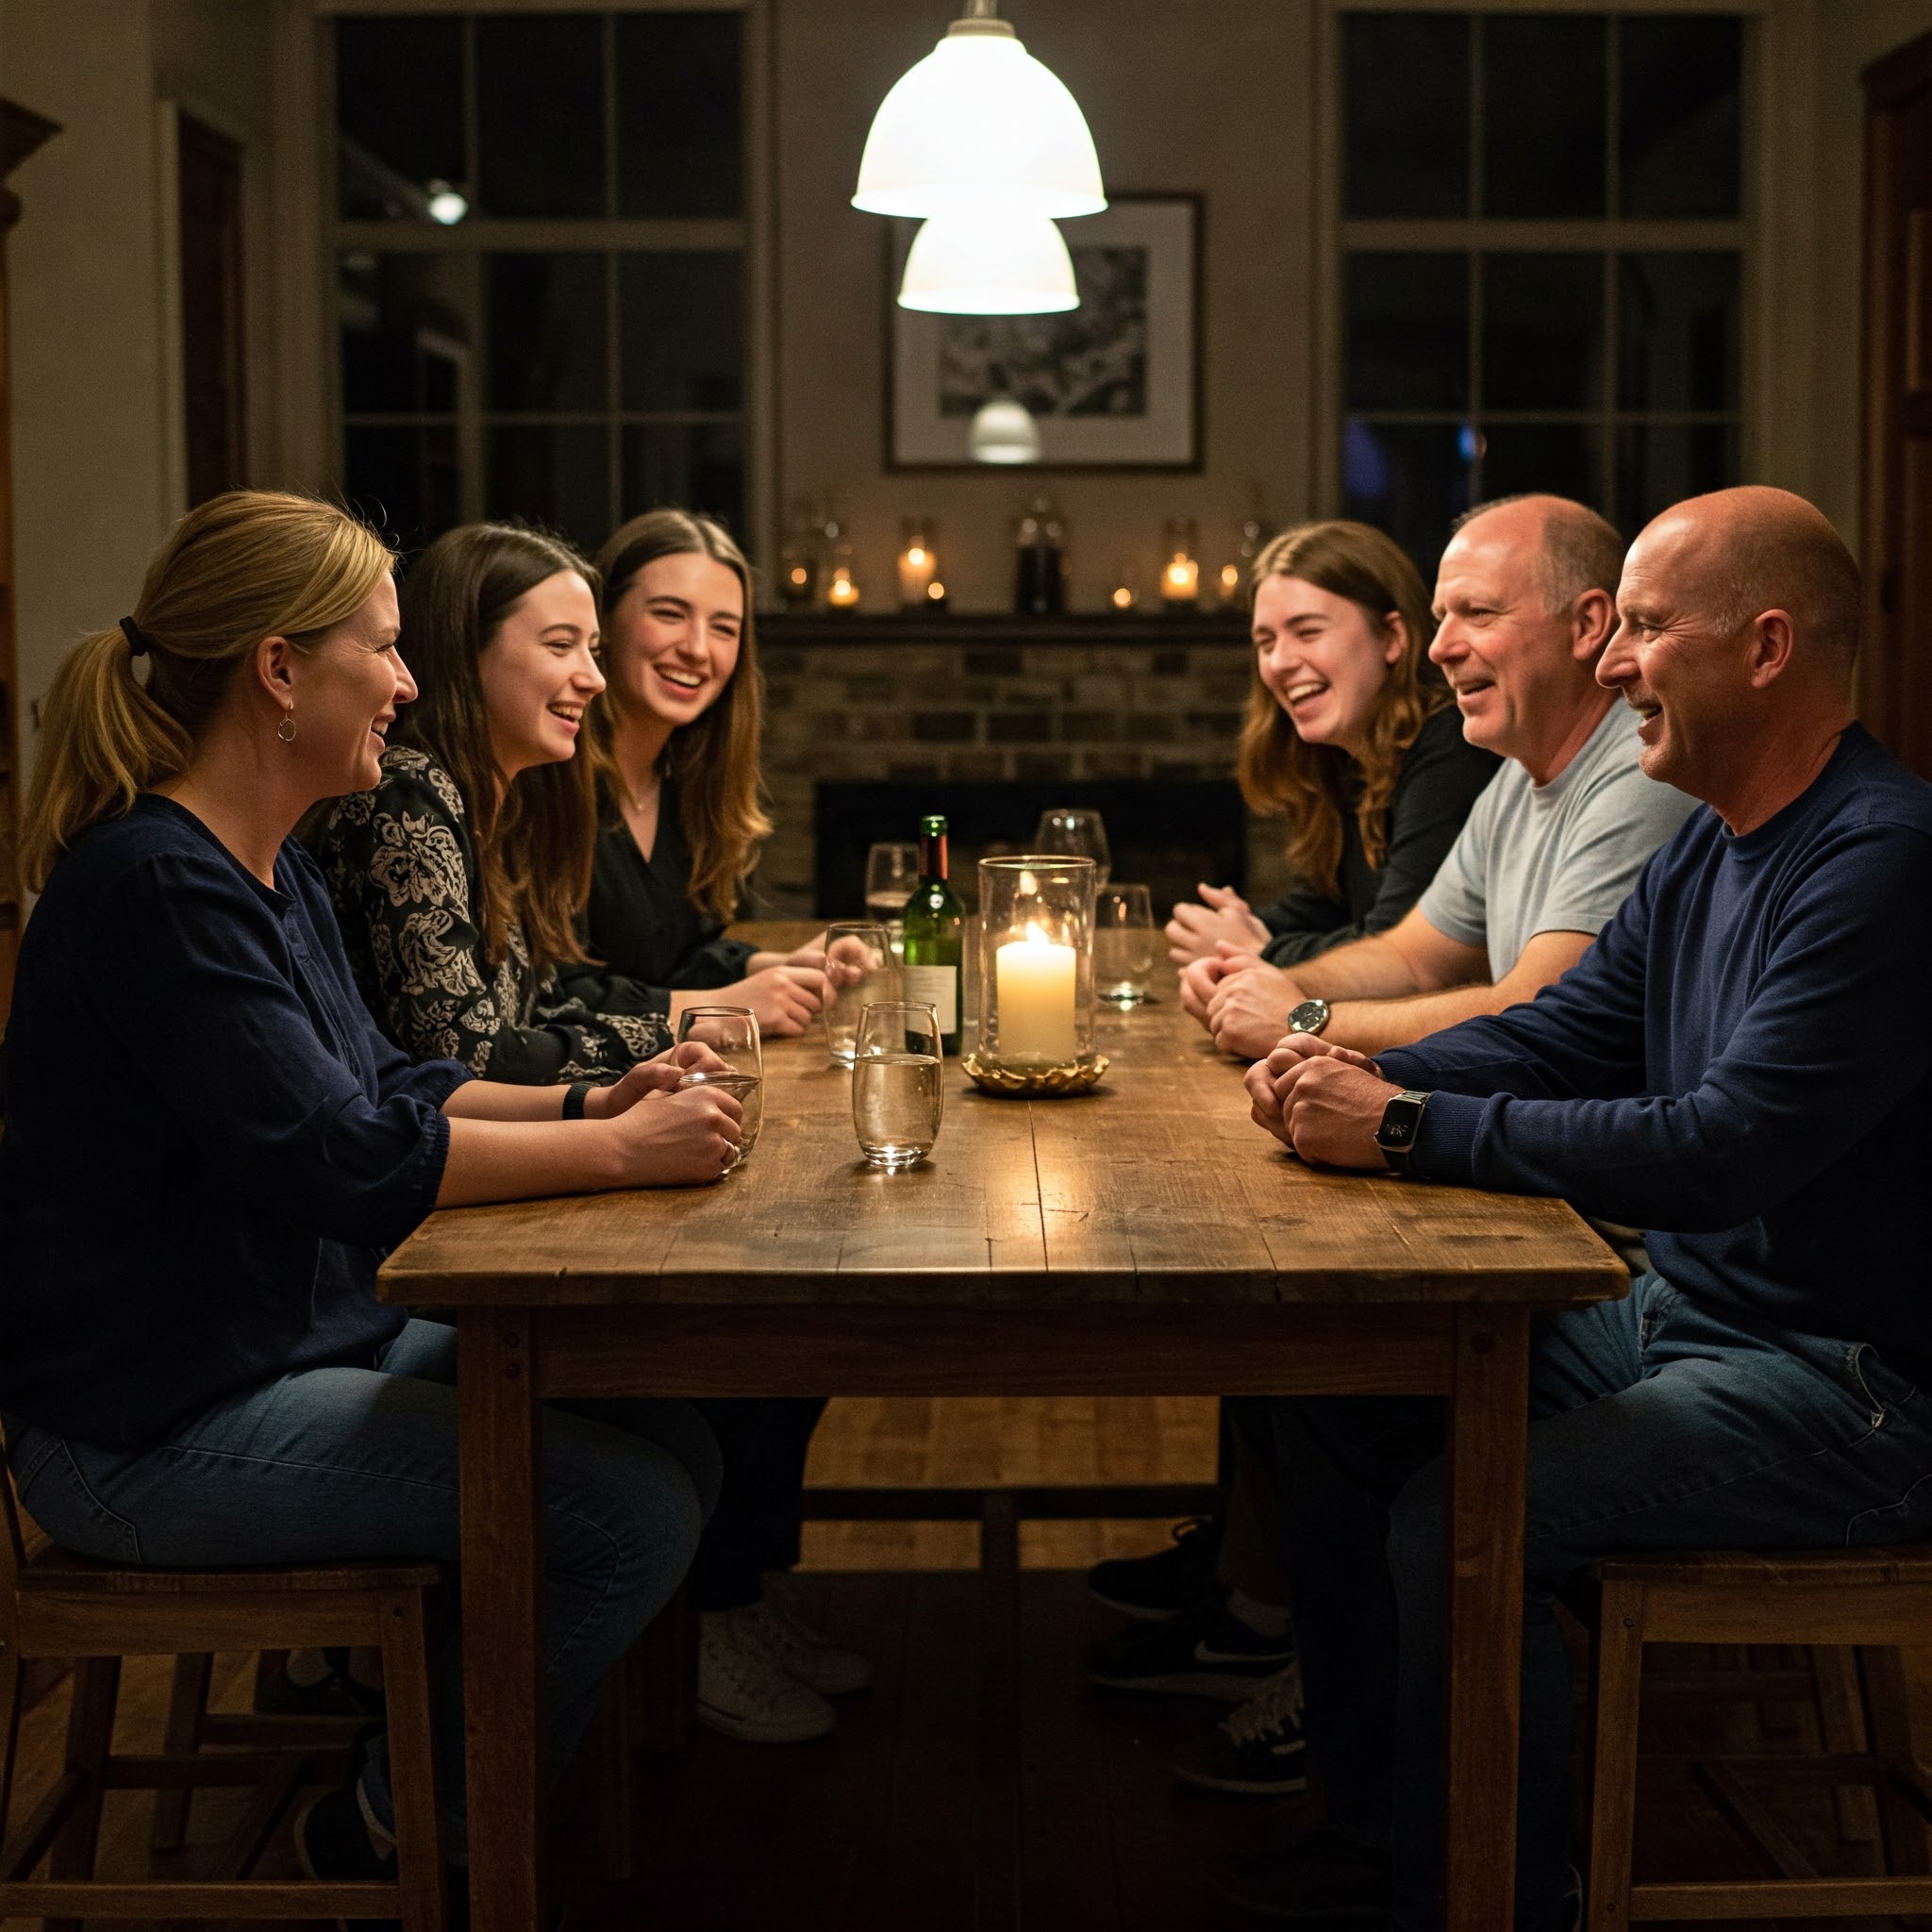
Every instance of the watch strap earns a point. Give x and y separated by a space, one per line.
574 1099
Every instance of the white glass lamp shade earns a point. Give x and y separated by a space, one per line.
1004 431
999 260
979 117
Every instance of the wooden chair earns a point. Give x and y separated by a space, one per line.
1879 1599
56 1605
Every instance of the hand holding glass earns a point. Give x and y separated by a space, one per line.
1123 945
897 1084
1075 834
859 972
732 1034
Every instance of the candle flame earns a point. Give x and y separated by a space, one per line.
915 555
1123 598
1035 937
935 590
1177 571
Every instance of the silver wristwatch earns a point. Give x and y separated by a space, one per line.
1310 1017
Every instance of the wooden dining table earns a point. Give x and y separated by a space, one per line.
1143 1238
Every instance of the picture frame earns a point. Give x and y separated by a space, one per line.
1113 384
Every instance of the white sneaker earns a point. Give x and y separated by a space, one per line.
804 1653
744 1692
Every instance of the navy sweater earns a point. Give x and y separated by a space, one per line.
208 1143
1741 1065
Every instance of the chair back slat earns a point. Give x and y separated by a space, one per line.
12 1547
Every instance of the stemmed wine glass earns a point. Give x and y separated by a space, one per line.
898 1087
1075 834
891 874
732 1034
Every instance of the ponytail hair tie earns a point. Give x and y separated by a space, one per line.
137 644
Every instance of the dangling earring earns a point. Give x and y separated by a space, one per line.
286 729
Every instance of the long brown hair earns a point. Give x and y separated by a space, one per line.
246 565
711 764
1279 770
533 837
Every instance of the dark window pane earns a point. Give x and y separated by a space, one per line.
686 466
1407 331
556 476
1680 114
403 481
682 330
1679 345
1543 331
1543 113
549 334
1411 479
1561 457
679 123
1659 464
406 330
1405 114
399 107
539 114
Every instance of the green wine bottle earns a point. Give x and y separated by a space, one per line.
935 921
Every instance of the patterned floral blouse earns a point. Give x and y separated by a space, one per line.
399 862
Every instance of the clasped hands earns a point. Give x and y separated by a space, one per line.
1322 1102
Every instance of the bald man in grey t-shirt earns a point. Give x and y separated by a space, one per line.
1524 607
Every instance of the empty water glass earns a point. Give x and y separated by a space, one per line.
732 1034
1124 950
898 1092
861 971
1075 834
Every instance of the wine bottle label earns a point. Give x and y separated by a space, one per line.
936 987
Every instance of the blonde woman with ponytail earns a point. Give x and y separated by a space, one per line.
208 1143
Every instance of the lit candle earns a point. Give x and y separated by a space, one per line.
1035 978
916 568
842 594
1123 598
1180 582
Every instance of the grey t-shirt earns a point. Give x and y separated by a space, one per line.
1555 857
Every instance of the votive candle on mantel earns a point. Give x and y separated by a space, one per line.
918 563
842 594
1181 575
1036 1000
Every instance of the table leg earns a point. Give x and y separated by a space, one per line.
503 1619
1489 1431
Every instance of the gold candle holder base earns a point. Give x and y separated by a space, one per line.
999 1076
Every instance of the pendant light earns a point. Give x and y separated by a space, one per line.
999 259
979 119
1004 431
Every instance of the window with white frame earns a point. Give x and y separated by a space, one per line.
541 250
1544 242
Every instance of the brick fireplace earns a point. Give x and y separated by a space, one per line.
991 720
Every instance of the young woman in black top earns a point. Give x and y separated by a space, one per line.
210 1144
1352 738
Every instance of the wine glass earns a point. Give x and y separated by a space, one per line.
732 1034
1075 834
891 874
862 970
898 1090
1123 945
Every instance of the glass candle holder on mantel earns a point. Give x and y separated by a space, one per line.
920 586
842 590
1180 573
1036 977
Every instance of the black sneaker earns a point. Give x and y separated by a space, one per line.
338 1695
332 1841
1322 1879
1157 1586
1257 1751
1203 1652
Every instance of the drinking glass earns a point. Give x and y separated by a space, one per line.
1124 951
732 1034
860 965
891 874
1075 834
897 1084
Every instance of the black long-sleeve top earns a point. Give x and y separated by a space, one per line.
210 1145
1441 776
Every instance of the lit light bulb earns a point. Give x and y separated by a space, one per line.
445 205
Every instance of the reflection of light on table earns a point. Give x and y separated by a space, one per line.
1035 983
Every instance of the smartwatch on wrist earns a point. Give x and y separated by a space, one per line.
574 1099
1310 1017
1402 1120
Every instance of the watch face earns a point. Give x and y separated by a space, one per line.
1310 1017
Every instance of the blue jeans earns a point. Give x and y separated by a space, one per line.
350 1462
1654 1425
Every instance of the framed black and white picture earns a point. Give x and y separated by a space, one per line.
1114 383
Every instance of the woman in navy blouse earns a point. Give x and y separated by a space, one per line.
210 1144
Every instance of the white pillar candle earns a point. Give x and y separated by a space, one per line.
1035 979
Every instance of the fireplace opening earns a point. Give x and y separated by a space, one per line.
1167 835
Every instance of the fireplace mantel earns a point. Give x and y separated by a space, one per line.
917 628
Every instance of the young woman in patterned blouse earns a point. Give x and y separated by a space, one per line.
458 880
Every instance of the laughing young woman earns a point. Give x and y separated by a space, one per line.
210 1144
458 880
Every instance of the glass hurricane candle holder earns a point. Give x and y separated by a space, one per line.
1036 977
919 567
1180 573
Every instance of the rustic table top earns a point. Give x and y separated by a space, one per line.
1154 1187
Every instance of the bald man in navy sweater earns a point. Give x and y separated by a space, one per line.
1741 1065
